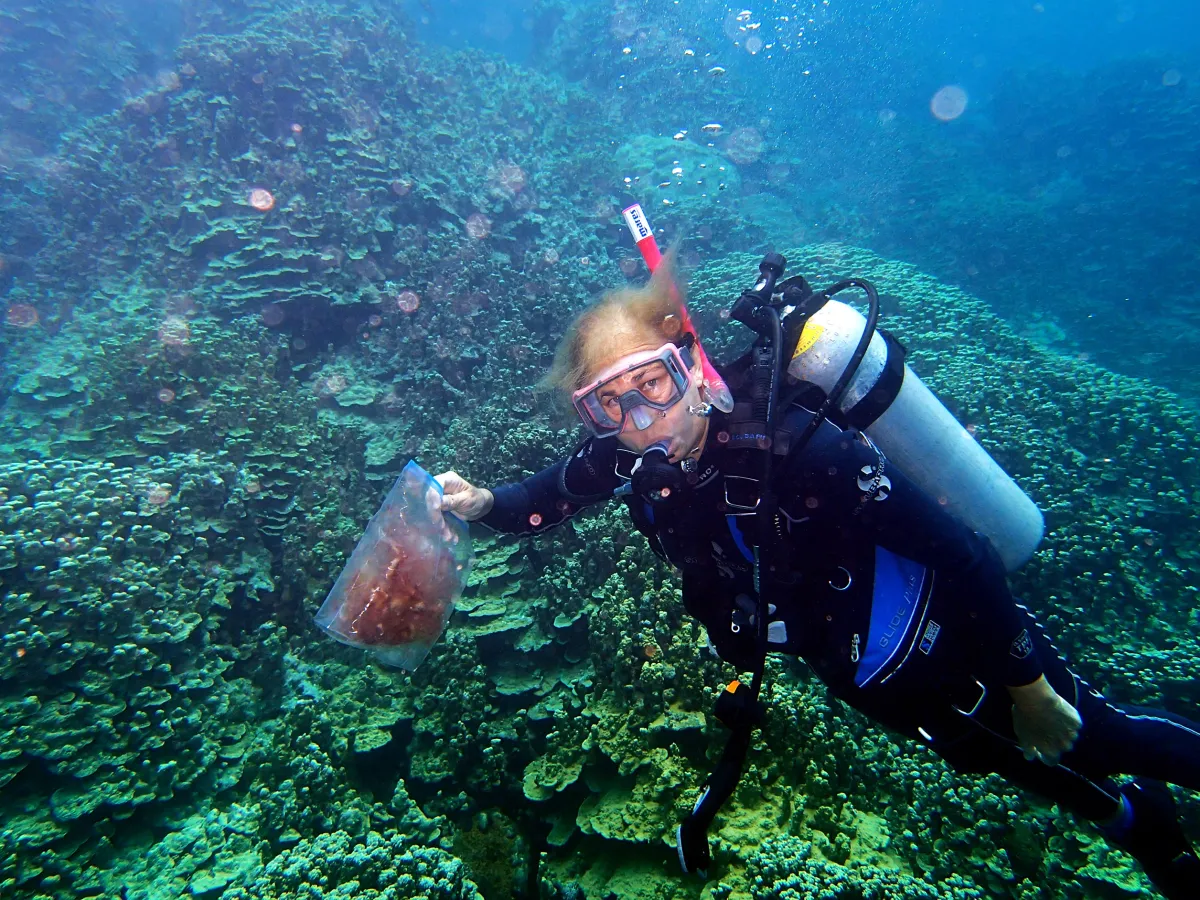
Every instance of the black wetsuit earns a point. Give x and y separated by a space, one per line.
901 610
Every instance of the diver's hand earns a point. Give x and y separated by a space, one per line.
1045 723
464 499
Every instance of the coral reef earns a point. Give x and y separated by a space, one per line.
115 662
569 682
569 678
264 284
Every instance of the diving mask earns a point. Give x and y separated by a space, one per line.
636 387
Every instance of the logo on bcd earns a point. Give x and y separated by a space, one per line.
757 436
1022 644
932 630
872 481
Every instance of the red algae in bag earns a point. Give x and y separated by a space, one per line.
397 592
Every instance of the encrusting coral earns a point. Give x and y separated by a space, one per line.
569 680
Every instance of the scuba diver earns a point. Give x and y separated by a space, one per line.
796 534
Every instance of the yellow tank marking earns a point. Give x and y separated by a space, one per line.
810 335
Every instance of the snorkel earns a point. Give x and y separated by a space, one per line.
643 236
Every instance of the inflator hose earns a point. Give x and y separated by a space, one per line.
767 502
691 837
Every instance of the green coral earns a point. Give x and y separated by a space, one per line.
788 868
371 867
107 593
569 662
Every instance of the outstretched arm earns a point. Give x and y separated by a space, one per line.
541 501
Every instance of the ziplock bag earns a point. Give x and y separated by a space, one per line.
397 592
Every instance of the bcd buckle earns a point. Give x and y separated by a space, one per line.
744 497
983 691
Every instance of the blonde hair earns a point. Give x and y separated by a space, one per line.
609 328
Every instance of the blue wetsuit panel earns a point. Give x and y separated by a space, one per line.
898 583
736 531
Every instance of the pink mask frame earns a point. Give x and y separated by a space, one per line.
633 403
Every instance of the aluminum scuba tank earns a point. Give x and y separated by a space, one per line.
916 432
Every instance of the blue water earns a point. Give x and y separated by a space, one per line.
1069 165
968 43
1074 33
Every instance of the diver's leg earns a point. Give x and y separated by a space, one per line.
1148 828
1134 740
1117 739
1140 817
1153 746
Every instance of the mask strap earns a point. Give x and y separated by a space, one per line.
685 351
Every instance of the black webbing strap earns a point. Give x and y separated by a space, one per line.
739 709
880 397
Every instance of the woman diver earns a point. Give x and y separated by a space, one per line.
902 611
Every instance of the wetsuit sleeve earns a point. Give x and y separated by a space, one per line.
843 482
553 495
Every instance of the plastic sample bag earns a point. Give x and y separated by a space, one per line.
397 592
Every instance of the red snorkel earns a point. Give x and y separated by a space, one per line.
718 392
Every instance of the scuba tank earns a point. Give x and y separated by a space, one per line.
888 402
883 398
